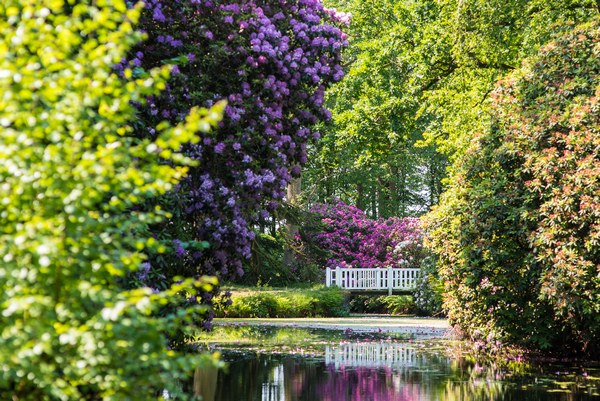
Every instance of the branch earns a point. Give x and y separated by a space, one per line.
486 65
485 95
450 68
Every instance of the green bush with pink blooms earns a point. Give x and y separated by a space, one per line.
518 233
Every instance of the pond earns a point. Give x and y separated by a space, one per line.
297 364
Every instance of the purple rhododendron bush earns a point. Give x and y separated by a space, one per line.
351 239
271 62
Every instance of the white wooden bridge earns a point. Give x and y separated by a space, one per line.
378 279
370 355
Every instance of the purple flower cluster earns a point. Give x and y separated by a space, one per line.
271 61
354 240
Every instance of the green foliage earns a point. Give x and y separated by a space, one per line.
367 156
257 305
383 304
420 73
315 302
429 289
473 43
550 115
399 304
267 265
70 226
517 233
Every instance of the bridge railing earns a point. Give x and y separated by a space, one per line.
378 279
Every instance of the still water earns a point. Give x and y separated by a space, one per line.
293 364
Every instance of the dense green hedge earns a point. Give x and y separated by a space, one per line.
309 302
315 302
518 233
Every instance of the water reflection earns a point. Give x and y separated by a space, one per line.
370 354
381 370
205 383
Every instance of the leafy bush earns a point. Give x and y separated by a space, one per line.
399 304
316 302
330 302
256 305
518 234
266 263
271 61
268 267
71 181
429 290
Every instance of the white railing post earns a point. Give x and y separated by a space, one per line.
338 276
402 278
328 277
390 279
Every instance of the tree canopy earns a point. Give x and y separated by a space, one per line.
420 73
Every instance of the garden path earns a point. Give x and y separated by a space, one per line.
420 327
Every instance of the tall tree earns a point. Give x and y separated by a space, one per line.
368 155
421 70
482 41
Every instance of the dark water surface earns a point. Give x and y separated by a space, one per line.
287 364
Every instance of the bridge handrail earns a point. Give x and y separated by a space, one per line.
377 279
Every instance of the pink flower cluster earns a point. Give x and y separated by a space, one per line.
354 240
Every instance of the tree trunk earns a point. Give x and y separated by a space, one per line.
293 194
360 196
374 194
396 184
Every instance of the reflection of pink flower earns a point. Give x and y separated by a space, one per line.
367 384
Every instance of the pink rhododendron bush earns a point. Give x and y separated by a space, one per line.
351 239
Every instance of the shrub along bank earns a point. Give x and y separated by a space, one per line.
319 301
518 232
383 304
311 302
